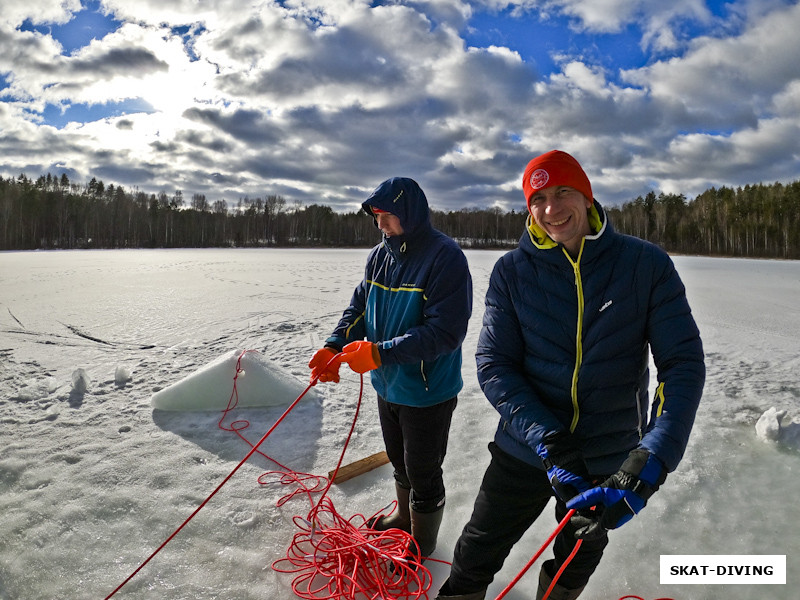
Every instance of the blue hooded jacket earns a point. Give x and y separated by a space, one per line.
415 302
565 346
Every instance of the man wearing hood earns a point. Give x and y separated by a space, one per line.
405 323
571 319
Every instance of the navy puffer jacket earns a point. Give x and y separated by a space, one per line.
564 347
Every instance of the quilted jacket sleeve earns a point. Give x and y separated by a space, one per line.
501 373
678 356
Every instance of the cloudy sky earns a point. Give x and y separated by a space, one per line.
321 100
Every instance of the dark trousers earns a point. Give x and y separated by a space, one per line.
512 495
416 443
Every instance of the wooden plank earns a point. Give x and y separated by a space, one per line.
359 467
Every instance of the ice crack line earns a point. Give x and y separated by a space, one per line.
86 336
15 318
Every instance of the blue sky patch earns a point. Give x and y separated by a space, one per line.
189 33
85 26
58 116
540 42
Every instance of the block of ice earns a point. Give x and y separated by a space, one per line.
260 383
80 381
768 426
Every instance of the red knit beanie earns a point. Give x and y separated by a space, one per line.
554 168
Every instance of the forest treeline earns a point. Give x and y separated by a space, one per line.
52 212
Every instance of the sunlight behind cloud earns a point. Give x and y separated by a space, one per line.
169 81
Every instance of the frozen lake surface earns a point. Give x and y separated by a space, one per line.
92 479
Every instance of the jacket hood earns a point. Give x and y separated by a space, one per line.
403 198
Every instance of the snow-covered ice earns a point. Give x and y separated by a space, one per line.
93 479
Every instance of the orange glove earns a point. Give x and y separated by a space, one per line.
321 369
362 356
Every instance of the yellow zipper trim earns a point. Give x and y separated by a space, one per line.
661 399
395 289
353 324
578 338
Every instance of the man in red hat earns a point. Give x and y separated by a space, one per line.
559 197
563 358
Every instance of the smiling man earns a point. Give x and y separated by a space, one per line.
563 358
559 197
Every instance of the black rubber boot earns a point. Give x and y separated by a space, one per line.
401 517
446 594
425 529
558 593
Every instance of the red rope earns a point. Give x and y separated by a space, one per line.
218 488
334 558
561 570
306 483
547 542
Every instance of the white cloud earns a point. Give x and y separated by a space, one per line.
576 74
319 101
599 15
453 13
787 102
16 12
657 19
730 81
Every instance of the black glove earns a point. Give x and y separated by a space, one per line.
620 496
565 466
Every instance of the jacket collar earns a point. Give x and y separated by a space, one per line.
535 239
400 246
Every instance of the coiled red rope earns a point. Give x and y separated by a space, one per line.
334 558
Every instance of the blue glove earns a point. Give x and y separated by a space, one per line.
619 497
565 466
